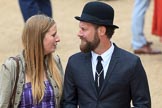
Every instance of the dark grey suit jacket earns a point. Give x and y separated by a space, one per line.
125 81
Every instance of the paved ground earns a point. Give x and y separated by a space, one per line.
11 24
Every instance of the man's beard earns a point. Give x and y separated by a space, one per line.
90 46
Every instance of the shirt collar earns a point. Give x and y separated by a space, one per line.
103 55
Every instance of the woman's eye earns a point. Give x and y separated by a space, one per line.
54 35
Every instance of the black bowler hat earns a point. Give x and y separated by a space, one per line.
98 13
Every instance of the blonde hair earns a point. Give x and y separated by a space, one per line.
32 40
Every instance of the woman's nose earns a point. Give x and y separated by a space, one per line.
57 38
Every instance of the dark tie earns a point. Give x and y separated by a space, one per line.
99 76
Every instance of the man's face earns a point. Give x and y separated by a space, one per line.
89 37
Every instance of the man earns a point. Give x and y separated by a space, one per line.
103 75
139 43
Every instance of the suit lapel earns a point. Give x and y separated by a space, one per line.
89 71
113 62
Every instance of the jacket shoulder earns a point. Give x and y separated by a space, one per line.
59 64
8 65
124 53
79 55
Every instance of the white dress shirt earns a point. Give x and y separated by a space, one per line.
106 56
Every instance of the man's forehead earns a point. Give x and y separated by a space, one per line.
85 24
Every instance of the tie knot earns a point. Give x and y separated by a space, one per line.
99 58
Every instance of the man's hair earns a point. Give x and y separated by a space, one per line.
109 30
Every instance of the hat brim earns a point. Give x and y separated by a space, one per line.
98 22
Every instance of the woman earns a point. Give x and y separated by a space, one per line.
40 78
157 19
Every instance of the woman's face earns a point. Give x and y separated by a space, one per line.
50 40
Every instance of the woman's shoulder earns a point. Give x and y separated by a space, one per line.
11 63
7 71
57 58
8 64
59 63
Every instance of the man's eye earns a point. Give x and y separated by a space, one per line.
83 29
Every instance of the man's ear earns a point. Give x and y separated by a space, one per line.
102 30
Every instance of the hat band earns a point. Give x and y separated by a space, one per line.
93 19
